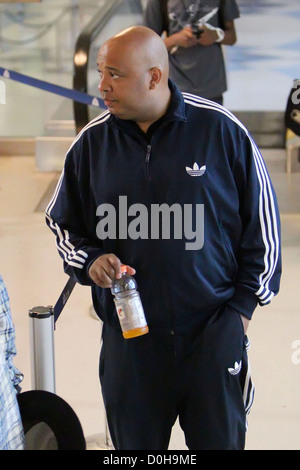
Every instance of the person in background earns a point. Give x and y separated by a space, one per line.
11 429
195 31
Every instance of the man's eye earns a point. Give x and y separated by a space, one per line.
114 75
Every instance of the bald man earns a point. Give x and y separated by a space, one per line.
173 186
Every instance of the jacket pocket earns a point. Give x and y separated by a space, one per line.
232 263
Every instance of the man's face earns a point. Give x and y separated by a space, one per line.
124 82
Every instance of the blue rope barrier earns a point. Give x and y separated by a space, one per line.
63 298
74 95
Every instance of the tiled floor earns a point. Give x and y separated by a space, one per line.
34 276
261 67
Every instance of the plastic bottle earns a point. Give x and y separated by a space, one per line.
129 306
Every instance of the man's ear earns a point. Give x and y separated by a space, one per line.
155 77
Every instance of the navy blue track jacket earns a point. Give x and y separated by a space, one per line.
199 166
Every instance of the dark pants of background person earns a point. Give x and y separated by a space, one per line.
218 99
150 380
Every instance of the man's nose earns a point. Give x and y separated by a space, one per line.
104 84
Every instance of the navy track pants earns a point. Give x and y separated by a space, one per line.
149 381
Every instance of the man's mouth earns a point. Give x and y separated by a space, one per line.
109 102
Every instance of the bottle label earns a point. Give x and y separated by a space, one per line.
131 313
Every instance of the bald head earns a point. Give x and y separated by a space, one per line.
134 72
144 45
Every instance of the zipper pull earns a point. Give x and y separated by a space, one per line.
148 153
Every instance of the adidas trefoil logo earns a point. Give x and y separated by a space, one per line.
236 369
196 171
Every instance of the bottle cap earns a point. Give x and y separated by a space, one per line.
124 268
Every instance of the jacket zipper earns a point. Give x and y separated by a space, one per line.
147 162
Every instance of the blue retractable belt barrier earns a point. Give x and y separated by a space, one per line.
74 95
67 290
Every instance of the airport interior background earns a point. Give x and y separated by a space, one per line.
40 40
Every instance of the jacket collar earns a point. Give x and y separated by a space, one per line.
176 109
